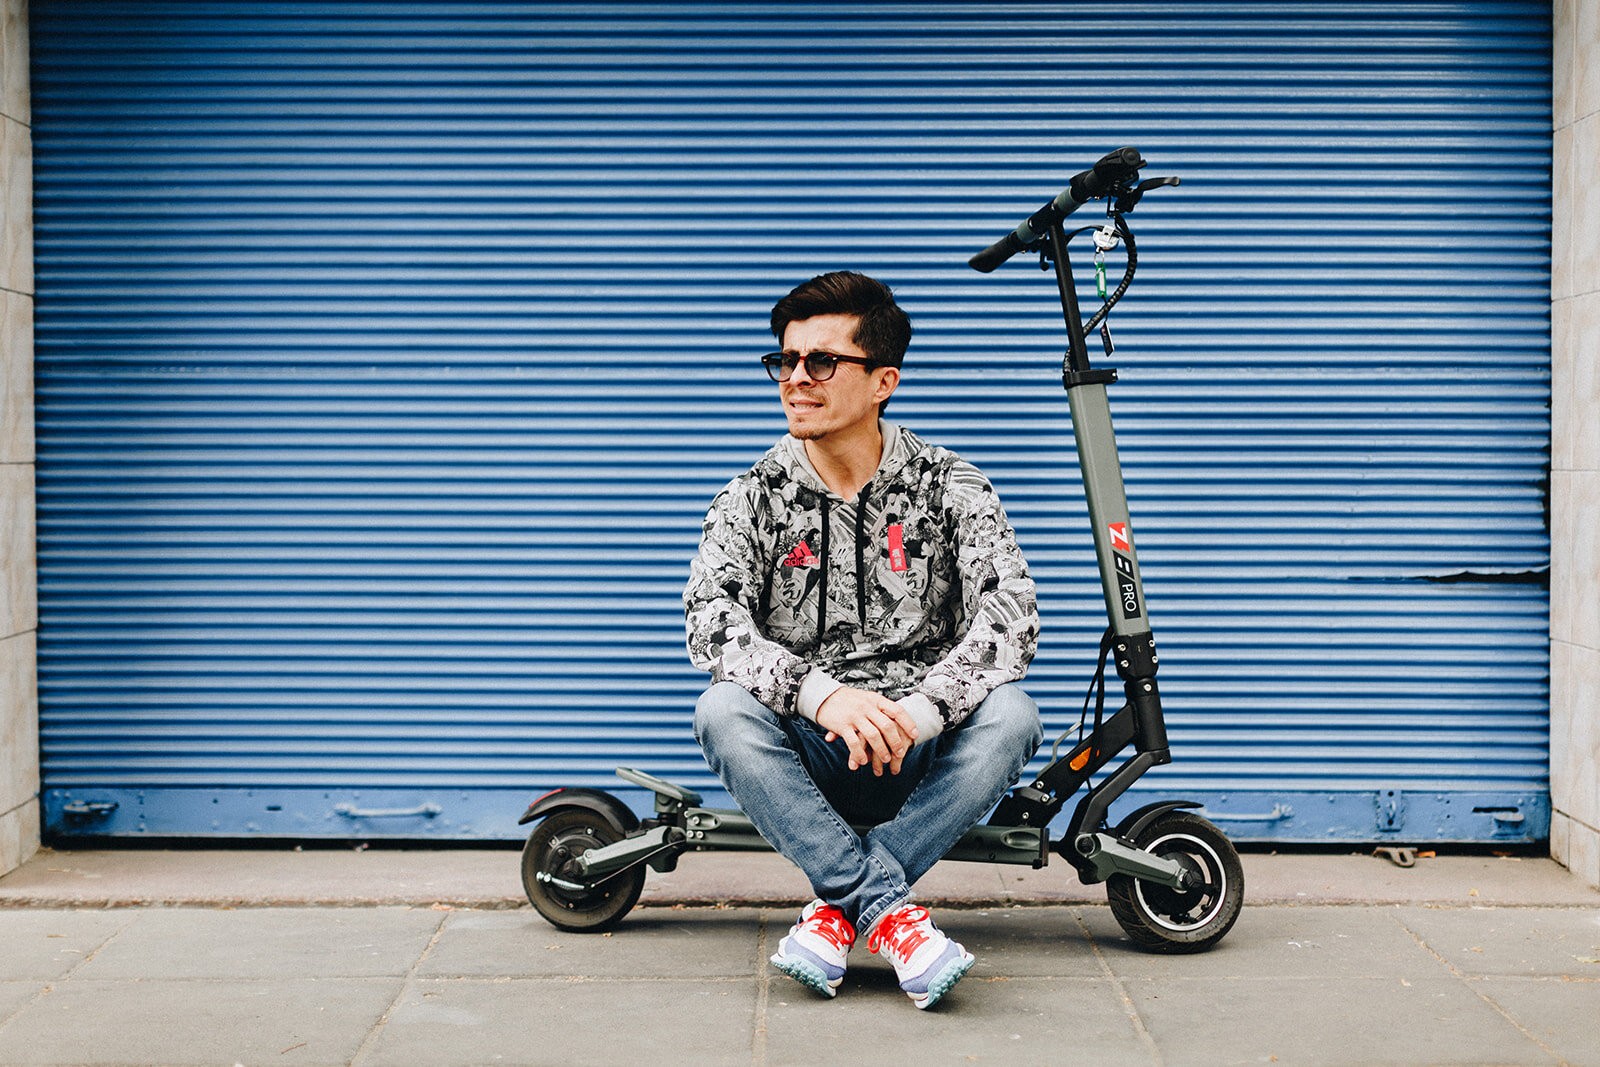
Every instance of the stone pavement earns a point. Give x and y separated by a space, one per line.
393 957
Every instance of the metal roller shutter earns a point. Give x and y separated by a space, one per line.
389 353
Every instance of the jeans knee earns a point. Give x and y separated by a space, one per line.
723 706
1014 713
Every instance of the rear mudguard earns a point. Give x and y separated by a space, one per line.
598 801
1131 827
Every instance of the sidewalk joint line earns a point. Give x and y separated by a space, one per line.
1490 1001
758 1039
50 984
1128 1006
371 1040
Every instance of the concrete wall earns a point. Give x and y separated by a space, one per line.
19 604
1575 444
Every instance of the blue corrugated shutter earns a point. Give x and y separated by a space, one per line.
388 355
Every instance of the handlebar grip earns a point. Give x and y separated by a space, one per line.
1083 187
996 254
1111 168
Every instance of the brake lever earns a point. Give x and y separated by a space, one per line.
1128 199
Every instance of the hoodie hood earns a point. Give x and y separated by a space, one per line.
899 446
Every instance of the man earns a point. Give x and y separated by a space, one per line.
863 608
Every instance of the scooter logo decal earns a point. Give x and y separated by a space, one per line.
1127 586
802 556
897 547
1119 536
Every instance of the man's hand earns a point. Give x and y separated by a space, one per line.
878 730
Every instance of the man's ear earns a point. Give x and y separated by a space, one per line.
886 384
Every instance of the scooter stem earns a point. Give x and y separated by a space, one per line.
1106 493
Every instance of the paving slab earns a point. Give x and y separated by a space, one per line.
1562 1015
179 1023
15 995
261 943
1544 942
1026 942
265 877
1301 942
993 1020
653 943
49 943
574 1022
1328 1021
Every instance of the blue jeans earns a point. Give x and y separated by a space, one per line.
799 792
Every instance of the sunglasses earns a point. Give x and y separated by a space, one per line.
819 365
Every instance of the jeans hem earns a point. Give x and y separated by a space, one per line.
869 918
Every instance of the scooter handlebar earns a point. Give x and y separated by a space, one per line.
1084 186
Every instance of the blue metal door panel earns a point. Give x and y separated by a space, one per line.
388 355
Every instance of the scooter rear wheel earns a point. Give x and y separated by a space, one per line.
550 858
1164 919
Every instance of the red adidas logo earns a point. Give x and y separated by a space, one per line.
802 556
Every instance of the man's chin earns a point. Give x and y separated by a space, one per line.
801 431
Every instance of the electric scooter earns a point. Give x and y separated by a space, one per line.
1173 879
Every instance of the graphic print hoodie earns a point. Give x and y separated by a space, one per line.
915 589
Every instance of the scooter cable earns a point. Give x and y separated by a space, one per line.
1127 271
1097 693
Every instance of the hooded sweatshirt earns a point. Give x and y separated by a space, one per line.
915 589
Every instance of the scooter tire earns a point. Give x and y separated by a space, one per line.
551 852
1166 920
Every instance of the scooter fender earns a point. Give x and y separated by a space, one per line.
598 801
1131 827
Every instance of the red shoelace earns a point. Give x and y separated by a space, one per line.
829 923
901 931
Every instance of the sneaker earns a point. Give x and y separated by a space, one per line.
814 951
927 963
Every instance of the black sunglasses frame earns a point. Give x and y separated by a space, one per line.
781 365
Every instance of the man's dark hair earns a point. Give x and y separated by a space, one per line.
885 331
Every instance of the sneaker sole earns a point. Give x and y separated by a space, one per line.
807 974
943 982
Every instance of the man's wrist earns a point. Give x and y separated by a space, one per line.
817 686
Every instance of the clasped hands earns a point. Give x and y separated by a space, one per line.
878 731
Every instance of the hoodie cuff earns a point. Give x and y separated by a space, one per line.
817 686
930 723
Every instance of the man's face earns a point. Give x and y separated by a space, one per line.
845 401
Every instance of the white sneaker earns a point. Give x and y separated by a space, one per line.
813 953
927 962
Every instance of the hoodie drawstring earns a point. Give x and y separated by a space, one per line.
861 555
822 600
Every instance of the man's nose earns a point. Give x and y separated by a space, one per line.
800 375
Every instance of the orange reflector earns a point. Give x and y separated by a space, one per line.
1081 760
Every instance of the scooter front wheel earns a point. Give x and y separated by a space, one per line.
1164 919
566 897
